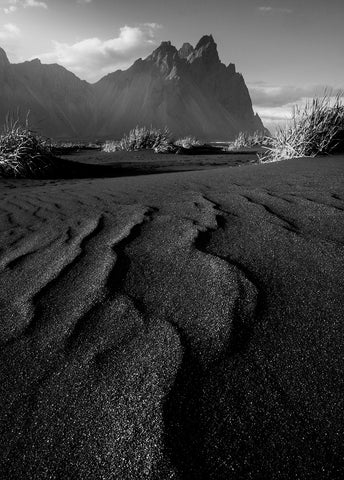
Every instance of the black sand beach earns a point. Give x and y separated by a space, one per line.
174 326
121 164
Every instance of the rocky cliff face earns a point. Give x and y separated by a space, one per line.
190 91
58 102
4 62
12 91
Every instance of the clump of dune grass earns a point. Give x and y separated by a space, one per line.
188 142
247 140
139 138
166 146
312 130
22 152
111 146
59 147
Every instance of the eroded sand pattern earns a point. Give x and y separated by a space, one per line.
175 326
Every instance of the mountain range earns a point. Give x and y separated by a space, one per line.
188 90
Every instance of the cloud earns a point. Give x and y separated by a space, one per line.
83 2
269 95
34 3
13 5
10 9
92 58
268 9
8 31
274 103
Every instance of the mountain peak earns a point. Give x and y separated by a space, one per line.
164 49
35 61
3 58
205 40
206 50
166 46
185 50
165 57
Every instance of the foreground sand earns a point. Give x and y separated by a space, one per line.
175 326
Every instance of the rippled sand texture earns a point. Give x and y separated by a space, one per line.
175 326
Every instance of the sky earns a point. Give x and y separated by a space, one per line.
287 50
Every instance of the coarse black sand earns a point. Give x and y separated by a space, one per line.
174 326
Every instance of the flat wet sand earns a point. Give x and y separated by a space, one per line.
175 326
93 163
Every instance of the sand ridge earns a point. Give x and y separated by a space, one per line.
182 325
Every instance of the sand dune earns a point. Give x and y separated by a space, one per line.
175 326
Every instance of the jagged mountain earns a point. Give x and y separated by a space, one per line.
65 102
59 103
190 91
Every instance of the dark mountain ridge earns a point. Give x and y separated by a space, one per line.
190 91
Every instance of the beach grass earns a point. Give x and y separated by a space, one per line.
158 140
247 140
312 130
188 142
140 138
23 153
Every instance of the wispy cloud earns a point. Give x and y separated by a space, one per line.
270 95
83 2
10 9
34 3
269 9
13 5
8 31
274 103
93 57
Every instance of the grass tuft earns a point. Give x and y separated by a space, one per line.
69 147
246 140
139 138
311 132
188 142
22 152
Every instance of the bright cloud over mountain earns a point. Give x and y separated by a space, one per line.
90 56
